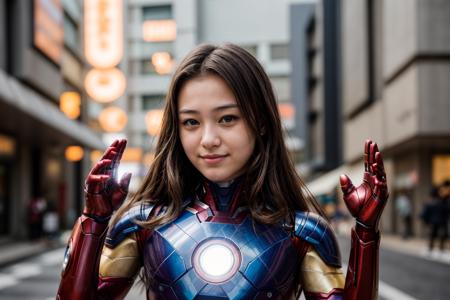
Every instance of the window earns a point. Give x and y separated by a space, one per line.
163 12
158 24
147 67
71 37
279 51
152 101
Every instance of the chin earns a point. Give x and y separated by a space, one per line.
217 177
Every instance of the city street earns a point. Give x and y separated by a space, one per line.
402 277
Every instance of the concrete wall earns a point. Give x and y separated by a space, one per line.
369 124
354 54
399 34
434 95
186 14
414 99
432 26
400 106
243 22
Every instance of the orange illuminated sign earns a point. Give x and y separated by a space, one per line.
159 31
103 32
105 85
441 169
48 28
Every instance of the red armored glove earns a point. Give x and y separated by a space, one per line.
366 202
102 191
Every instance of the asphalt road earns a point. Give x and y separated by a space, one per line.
408 277
402 277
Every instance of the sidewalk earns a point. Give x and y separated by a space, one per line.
412 246
416 247
13 251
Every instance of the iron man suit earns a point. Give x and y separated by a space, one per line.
214 250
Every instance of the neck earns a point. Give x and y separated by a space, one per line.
222 196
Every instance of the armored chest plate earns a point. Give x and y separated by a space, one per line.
189 259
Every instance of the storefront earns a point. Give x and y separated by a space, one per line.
7 150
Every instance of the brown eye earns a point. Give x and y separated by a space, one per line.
227 119
190 122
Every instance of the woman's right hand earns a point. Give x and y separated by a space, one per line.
103 194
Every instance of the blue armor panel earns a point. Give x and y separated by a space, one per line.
262 259
315 230
265 259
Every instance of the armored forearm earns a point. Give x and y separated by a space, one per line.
79 278
362 274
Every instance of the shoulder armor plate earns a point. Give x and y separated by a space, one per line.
127 225
315 230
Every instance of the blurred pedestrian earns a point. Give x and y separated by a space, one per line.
50 223
404 210
435 214
36 209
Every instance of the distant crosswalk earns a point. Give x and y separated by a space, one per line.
34 278
38 278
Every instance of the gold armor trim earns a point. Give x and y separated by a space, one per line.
318 277
122 260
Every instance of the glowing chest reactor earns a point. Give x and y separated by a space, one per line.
189 259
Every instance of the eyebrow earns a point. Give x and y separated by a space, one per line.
193 111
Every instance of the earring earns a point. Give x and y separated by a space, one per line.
263 131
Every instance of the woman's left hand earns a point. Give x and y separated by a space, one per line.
366 202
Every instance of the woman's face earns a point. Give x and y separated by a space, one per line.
214 134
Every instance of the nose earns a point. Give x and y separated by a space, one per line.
210 137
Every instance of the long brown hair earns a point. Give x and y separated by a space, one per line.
273 189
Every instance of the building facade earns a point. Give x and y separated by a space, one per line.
41 57
395 59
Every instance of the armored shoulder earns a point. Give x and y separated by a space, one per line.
127 224
315 230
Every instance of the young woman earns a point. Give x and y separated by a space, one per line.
222 213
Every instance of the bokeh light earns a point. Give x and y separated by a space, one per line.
74 153
113 119
105 85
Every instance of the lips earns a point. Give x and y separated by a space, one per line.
213 158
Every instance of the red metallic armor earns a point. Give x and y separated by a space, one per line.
80 276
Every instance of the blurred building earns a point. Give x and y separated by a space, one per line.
40 60
392 87
161 33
